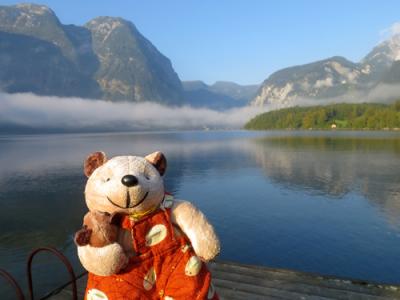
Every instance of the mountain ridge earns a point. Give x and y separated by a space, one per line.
220 95
334 77
108 58
108 55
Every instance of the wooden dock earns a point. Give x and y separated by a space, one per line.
239 281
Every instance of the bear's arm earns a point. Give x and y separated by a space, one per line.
103 261
106 260
196 227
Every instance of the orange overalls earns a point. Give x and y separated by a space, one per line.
165 267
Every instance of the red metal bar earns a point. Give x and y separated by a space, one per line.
14 284
61 257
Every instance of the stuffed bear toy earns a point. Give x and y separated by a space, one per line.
137 242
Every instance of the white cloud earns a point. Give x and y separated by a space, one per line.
393 30
75 114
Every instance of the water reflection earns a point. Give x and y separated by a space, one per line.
335 166
42 183
313 201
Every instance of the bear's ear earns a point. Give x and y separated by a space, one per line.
93 161
158 160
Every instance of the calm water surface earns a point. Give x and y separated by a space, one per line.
324 202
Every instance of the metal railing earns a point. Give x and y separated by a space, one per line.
13 283
18 291
61 257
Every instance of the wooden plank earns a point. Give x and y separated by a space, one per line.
240 281
236 280
261 291
230 294
304 278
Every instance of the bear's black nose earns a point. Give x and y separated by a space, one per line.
129 180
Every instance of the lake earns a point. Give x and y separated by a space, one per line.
314 201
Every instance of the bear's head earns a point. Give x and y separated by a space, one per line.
124 184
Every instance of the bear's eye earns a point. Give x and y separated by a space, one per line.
147 176
108 179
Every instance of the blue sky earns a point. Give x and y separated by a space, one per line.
244 41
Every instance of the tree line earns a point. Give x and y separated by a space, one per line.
341 116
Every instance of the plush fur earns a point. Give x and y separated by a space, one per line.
196 227
98 230
103 261
104 249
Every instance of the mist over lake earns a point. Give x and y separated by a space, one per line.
323 202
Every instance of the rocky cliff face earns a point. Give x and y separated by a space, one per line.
28 64
107 58
335 78
130 66
37 21
381 58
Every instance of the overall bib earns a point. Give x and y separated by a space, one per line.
165 266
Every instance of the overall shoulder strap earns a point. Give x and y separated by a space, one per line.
168 201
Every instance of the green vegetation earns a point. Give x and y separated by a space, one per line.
344 116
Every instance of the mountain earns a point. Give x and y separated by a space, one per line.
28 64
381 58
37 56
106 58
130 66
220 95
332 78
392 75
234 90
36 21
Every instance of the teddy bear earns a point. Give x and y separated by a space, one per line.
137 241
